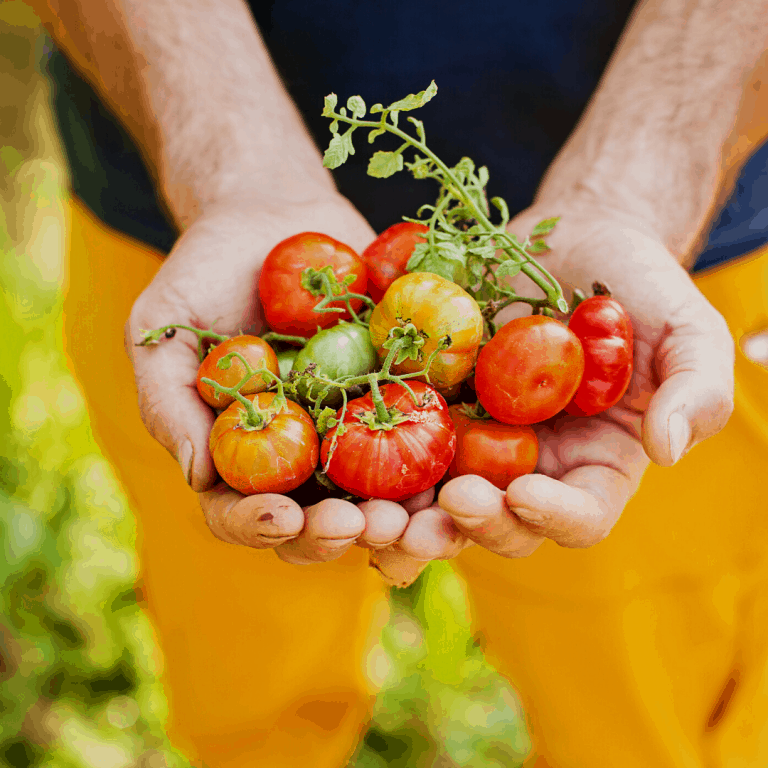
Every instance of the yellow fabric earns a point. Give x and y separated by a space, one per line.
263 660
647 650
650 649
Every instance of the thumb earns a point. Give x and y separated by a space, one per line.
170 405
695 365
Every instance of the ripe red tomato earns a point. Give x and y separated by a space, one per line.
438 308
387 256
498 452
605 331
529 370
288 305
392 463
258 354
275 459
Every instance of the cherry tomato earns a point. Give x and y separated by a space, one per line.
392 463
529 370
258 354
344 350
605 331
275 459
288 303
387 256
439 309
498 452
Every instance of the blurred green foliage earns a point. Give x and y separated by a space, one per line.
78 662
442 704
79 676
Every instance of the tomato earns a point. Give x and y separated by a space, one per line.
258 354
285 359
288 304
605 331
498 452
344 350
275 459
439 309
394 463
529 370
387 256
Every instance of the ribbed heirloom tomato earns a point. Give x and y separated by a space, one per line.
605 331
392 463
439 309
529 370
256 352
275 459
498 452
287 296
387 256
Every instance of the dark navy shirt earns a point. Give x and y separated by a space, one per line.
513 78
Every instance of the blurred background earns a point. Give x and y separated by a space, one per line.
79 667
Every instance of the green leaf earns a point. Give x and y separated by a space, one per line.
483 251
376 108
418 255
545 227
330 104
375 133
356 106
419 129
538 246
385 164
482 175
337 152
394 116
447 260
326 420
334 126
508 268
501 204
414 101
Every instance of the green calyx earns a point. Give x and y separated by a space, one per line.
372 421
408 340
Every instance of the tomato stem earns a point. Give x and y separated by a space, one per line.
271 336
382 414
154 337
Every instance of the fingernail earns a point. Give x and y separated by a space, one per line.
679 435
185 460
756 348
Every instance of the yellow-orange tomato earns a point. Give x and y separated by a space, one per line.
439 309
258 355
275 459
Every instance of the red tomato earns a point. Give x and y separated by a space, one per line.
529 370
387 256
396 463
258 354
288 305
275 459
498 452
605 331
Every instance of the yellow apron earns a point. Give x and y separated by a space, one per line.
647 650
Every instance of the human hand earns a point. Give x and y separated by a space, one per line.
211 277
681 393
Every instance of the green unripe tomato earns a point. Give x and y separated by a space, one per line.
285 360
343 350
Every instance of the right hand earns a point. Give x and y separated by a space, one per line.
209 278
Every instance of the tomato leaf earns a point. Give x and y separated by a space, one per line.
414 101
356 106
385 164
326 420
545 227
508 268
329 104
537 246
336 154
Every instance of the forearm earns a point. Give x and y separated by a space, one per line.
194 83
678 109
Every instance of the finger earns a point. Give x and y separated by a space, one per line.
169 403
578 510
431 534
480 511
755 347
419 501
385 522
261 522
396 567
695 364
331 528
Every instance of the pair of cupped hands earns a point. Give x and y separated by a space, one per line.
681 392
